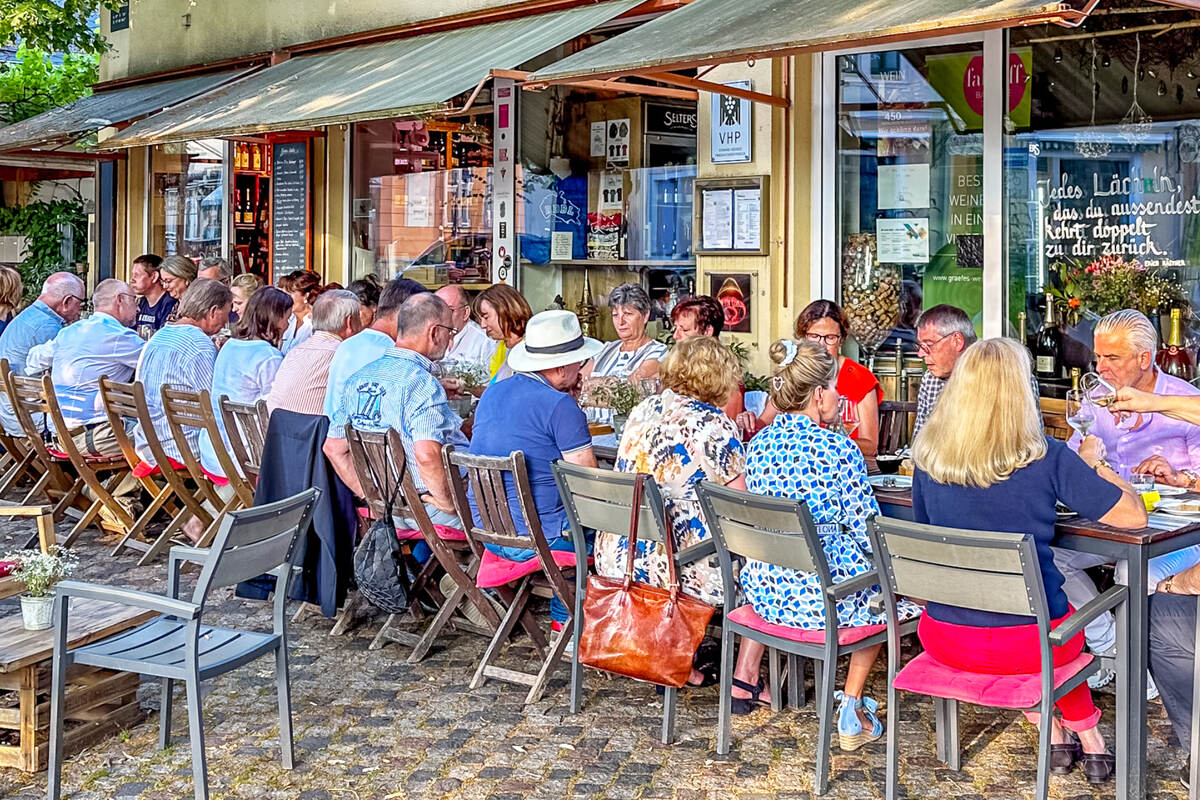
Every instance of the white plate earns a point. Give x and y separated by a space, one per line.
890 483
1169 491
1175 507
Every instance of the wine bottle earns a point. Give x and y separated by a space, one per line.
1173 357
1047 349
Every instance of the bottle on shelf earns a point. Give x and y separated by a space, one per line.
237 206
257 158
1047 348
1173 357
239 156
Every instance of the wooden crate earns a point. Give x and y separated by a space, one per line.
99 703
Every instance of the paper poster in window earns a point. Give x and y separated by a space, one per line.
617 146
612 191
902 241
561 244
599 139
747 219
904 186
716 219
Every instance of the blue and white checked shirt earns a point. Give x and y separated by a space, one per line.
33 326
182 356
81 354
399 390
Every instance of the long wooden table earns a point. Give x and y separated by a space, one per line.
1133 619
98 702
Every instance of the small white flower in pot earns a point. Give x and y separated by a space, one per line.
39 572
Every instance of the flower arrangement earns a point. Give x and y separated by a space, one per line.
1109 284
619 395
40 571
470 375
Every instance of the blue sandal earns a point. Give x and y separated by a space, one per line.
851 733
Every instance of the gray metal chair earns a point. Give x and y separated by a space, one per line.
602 500
781 531
982 571
176 646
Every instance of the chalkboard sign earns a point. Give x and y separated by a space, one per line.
289 207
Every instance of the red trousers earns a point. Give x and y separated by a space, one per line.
1008 650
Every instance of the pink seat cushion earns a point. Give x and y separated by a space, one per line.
926 675
7 567
217 480
443 532
746 616
497 571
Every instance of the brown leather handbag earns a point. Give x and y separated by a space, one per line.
638 630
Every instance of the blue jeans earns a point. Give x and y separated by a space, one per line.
558 612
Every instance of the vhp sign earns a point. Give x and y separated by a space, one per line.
730 127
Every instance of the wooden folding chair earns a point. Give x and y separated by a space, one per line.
895 425
125 401
193 410
516 582
379 461
246 426
18 456
87 467
58 481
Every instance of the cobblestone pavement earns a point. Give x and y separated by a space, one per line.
370 726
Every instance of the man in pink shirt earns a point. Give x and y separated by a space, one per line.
1125 344
304 374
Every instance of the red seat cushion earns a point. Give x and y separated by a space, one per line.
218 480
926 675
145 469
443 532
7 567
497 571
849 635
59 454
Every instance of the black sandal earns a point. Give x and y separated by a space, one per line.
708 663
745 705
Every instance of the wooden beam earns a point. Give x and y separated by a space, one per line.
624 88
716 88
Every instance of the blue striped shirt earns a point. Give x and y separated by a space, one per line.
81 354
33 326
181 356
399 390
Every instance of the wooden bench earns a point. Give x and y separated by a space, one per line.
99 702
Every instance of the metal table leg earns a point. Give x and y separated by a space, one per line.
1133 653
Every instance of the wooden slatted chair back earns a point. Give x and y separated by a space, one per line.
379 462
246 426
187 410
121 404
895 425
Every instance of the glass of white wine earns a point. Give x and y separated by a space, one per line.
1081 413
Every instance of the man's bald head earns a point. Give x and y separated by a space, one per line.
64 293
115 298
460 304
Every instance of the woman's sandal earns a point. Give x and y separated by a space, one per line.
745 705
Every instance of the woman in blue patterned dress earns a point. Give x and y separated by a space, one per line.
680 438
795 457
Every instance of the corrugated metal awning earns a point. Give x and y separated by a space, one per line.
116 107
718 31
395 78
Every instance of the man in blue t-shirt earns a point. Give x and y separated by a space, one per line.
533 412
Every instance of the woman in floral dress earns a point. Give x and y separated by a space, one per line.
795 457
680 438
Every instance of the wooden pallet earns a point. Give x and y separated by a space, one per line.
99 703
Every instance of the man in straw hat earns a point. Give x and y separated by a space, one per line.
534 412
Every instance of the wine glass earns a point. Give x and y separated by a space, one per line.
1081 413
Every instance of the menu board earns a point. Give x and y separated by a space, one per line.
289 207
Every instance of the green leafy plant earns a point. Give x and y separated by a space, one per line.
33 82
56 26
470 375
1109 284
45 225
41 571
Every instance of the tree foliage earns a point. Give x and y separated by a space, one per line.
54 26
34 83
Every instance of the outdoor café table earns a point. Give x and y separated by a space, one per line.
1136 547
99 702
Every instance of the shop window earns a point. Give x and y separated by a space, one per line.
422 202
604 189
187 199
909 189
1103 172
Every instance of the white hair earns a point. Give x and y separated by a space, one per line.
1134 326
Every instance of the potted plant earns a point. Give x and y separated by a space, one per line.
39 572
619 395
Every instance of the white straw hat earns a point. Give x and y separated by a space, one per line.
552 339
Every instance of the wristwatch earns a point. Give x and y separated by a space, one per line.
1168 585
1102 462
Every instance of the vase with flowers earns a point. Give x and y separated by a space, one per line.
39 572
